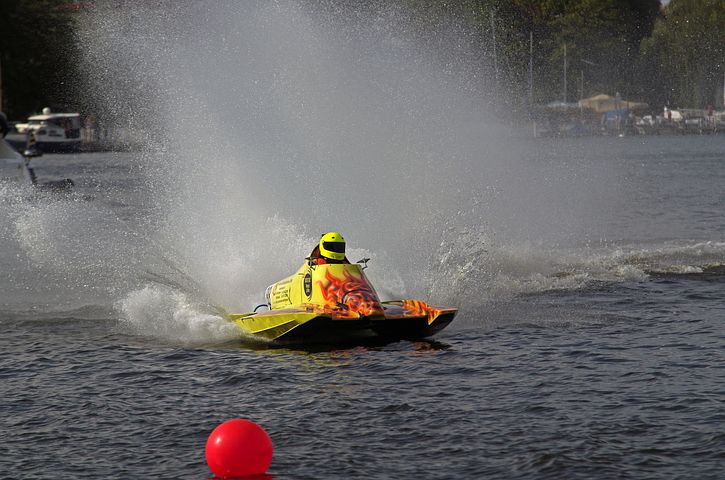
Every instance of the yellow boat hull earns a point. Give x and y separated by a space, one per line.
313 325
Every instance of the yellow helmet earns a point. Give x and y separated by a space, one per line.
332 246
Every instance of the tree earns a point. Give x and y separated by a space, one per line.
36 48
601 38
685 56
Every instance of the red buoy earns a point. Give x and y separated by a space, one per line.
238 448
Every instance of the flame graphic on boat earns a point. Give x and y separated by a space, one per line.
421 308
350 294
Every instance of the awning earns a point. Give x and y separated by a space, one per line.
604 103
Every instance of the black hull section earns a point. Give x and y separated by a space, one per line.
325 330
414 328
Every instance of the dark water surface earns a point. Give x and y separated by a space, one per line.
619 375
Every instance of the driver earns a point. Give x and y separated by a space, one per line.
331 249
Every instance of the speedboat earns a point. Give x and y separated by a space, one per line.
333 303
54 132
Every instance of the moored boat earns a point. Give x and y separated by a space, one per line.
54 132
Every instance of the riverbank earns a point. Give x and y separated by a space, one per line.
577 123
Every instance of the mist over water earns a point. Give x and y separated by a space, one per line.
266 124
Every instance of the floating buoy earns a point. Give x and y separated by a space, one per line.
238 448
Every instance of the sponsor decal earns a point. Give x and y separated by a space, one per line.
308 285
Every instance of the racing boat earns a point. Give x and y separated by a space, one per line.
335 302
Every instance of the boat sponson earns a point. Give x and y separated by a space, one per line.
411 319
299 325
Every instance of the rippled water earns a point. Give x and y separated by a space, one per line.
600 358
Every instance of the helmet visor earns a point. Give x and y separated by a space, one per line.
337 247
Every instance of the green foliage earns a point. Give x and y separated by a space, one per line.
601 38
672 55
685 56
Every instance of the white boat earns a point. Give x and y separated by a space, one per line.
54 132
